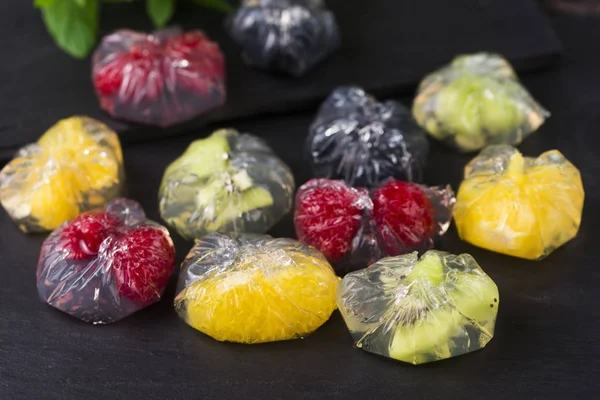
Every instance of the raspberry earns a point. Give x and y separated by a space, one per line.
328 216
163 78
197 63
143 259
82 237
404 216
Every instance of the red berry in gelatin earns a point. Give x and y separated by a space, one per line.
404 216
161 79
328 216
143 259
82 237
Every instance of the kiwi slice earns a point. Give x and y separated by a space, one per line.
204 157
446 312
238 204
426 322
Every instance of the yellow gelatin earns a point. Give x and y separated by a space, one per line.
75 166
276 289
520 206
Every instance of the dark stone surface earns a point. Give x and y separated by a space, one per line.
387 47
547 342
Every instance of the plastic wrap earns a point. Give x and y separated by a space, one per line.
420 310
160 79
289 36
253 288
364 142
76 166
520 206
228 183
354 229
475 101
103 266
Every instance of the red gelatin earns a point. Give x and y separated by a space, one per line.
160 79
102 266
354 230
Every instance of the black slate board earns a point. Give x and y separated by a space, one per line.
547 342
387 48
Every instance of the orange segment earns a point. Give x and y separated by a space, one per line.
258 302
528 210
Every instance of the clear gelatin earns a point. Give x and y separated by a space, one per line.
227 183
76 166
364 142
255 289
420 310
354 228
520 206
288 36
163 78
475 101
105 265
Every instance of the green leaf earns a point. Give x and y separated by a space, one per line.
160 11
43 3
81 3
220 5
73 27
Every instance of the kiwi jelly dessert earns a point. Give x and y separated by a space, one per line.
227 183
420 310
477 100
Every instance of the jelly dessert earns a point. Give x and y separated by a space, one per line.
353 229
520 206
475 101
162 78
76 166
419 310
253 288
289 36
228 182
364 142
105 265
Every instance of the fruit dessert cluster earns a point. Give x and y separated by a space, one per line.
362 141
161 79
520 206
228 182
354 229
419 310
102 266
76 166
288 36
254 289
475 101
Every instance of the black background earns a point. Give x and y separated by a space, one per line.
387 47
547 342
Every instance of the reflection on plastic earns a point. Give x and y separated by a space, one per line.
475 101
364 142
103 266
254 289
160 79
420 310
353 229
228 183
76 166
289 36
520 206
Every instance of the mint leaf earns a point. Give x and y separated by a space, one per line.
160 11
220 5
73 27
43 3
